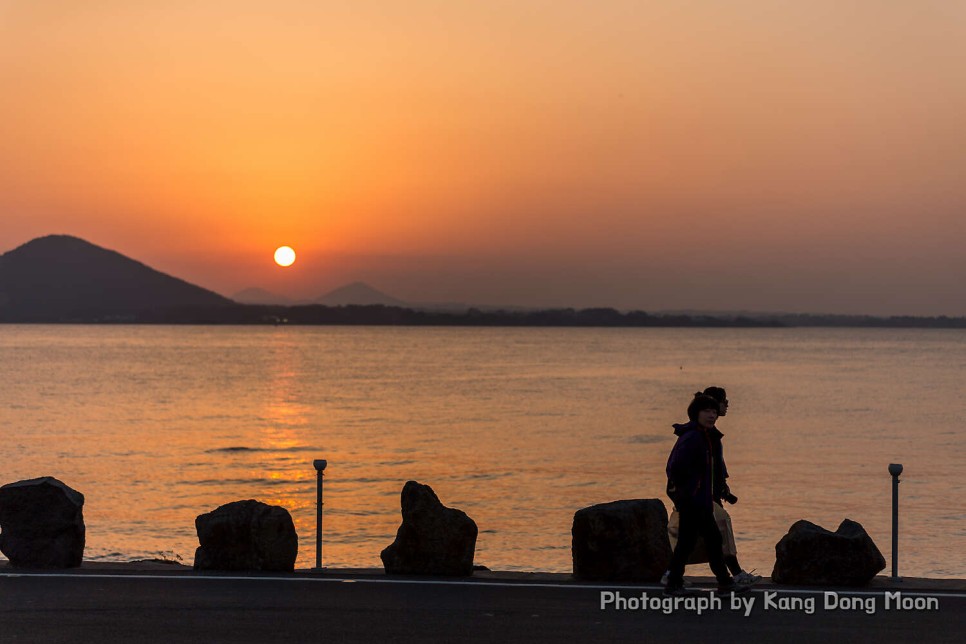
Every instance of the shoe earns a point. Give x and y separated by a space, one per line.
732 588
667 574
747 578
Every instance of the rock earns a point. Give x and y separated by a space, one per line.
42 523
246 535
811 555
621 541
433 539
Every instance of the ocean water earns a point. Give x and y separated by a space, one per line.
517 427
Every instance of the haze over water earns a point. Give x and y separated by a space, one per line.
518 427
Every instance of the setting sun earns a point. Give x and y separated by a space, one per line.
284 256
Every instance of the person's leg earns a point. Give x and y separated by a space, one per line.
727 539
687 536
729 548
732 562
708 529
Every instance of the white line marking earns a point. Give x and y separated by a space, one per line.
451 582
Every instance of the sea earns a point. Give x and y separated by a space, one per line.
519 428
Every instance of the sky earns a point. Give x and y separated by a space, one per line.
762 155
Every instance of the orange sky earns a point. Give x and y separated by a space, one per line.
768 155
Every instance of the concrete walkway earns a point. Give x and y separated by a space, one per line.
155 602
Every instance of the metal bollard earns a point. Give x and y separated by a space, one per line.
319 465
895 470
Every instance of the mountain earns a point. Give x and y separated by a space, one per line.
60 278
261 296
358 293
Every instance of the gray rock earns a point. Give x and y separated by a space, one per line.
42 522
811 555
433 539
246 535
621 541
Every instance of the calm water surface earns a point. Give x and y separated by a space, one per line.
518 427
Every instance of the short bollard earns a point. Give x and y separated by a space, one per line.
895 470
319 465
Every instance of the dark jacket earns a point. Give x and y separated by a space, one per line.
689 469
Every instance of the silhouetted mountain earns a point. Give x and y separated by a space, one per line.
261 296
61 278
358 293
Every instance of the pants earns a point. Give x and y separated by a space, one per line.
699 554
694 522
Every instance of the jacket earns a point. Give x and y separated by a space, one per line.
689 469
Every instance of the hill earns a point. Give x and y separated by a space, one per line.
60 278
360 294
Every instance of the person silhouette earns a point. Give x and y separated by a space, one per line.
689 486
721 492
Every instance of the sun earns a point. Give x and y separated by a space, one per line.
284 256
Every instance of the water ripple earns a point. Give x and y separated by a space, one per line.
251 481
238 449
647 439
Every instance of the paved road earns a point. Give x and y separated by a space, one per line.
147 608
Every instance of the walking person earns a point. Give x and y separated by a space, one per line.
689 485
721 492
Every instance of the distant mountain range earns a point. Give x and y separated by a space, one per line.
361 294
357 293
60 278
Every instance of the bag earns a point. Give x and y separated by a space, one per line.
700 553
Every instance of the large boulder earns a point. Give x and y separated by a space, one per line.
433 539
811 555
621 541
42 523
246 535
